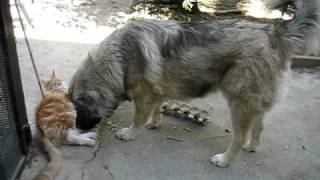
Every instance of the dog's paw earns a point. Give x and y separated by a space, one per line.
127 134
249 147
219 160
152 125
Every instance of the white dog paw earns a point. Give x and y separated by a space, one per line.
250 147
152 125
127 134
219 160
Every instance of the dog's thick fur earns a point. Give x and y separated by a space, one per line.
152 61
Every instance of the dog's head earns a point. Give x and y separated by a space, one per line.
92 101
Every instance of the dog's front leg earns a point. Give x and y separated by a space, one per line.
144 108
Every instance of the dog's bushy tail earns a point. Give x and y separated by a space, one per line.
296 35
51 170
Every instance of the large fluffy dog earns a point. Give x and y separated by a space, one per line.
152 61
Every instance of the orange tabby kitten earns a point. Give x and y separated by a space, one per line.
56 126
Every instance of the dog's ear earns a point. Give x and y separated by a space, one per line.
93 94
88 98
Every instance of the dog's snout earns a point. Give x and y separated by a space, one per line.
86 123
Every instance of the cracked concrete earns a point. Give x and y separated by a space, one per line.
290 148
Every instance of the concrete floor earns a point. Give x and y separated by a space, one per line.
290 148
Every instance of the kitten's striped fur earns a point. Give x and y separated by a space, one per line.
56 126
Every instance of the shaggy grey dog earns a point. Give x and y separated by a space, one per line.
152 61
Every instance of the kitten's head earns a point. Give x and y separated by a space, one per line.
55 83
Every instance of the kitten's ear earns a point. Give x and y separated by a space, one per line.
53 73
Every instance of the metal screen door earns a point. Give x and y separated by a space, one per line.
14 128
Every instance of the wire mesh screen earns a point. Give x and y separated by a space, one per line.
14 129
10 149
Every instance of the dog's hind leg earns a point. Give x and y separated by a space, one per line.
154 121
242 117
254 135
249 88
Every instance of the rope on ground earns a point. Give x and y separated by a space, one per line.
29 48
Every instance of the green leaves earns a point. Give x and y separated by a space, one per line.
288 7
187 5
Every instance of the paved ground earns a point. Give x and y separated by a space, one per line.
290 148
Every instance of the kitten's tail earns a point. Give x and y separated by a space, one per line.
51 170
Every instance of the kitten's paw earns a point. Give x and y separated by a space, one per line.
219 160
127 134
88 142
91 135
152 125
